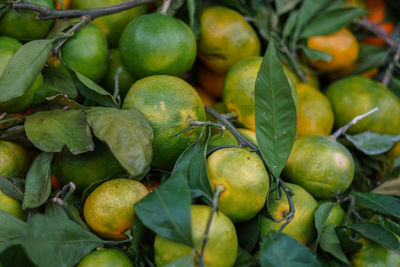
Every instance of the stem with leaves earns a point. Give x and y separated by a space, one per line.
389 70
375 29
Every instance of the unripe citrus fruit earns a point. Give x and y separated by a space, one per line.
225 38
302 226
11 205
14 160
23 25
311 76
324 167
109 211
341 45
227 138
157 44
244 179
105 258
356 95
221 248
169 103
87 52
336 215
112 25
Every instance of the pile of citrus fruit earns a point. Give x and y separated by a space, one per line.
199 133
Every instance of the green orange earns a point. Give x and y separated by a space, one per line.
244 179
11 205
111 25
157 44
87 52
14 160
336 215
220 250
322 166
105 258
356 95
227 138
169 103
225 38
109 211
302 226
23 25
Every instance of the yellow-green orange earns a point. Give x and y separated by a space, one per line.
314 113
356 95
14 160
393 154
111 25
336 215
23 25
87 168
87 52
374 255
227 138
105 258
169 103
311 76
239 91
302 226
157 44
109 211
244 179
324 167
11 205
221 248
225 38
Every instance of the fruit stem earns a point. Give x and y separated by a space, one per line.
356 119
165 7
116 95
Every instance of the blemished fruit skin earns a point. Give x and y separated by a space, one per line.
245 181
336 215
227 138
87 168
374 255
302 226
87 52
11 205
105 258
314 113
322 166
157 44
23 25
111 25
14 160
356 95
225 38
341 45
109 211
221 248
168 103
8 47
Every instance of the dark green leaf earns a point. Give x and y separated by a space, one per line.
266 21
329 242
372 143
275 112
186 261
138 231
65 101
55 210
243 259
381 203
347 242
248 233
13 187
166 210
56 241
320 217
194 7
369 57
283 6
315 55
377 233
290 24
60 81
38 184
23 69
331 21
278 249
392 226
15 256
51 130
12 230
395 85
127 133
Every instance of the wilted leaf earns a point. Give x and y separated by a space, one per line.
329 242
372 143
12 230
13 187
390 187
381 203
65 101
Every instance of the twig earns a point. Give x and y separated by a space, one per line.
367 24
82 22
390 68
2 115
208 123
165 7
116 95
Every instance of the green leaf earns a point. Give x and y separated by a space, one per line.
377 233
51 130
23 68
92 91
329 242
243 259
57 241
12 230
13 187
347 242
290 24
166 210
65 101
55 210
194 7
127 133
186 261
38 184
371 143
331 21
369 57
15 256
60 81
248 233
392 226
381 203
315 55
266 20
283 6
278 249
320 217
275 112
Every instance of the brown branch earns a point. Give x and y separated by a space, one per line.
374 28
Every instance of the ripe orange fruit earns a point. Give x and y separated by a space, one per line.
109 211
221 248
211 82
206 98
105 257
14 160
387 27
225 38
377 10
67 4
341 45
